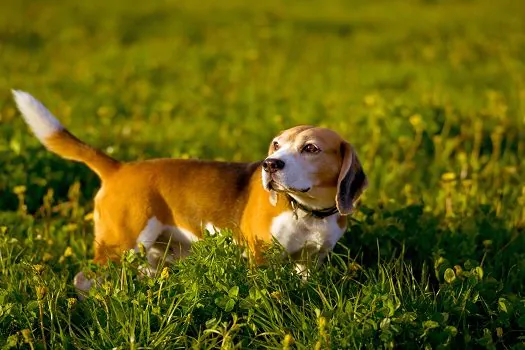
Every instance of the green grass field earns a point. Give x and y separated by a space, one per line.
431 94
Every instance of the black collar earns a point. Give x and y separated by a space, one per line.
316 213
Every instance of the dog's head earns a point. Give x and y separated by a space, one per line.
316 167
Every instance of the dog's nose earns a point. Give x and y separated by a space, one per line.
271 165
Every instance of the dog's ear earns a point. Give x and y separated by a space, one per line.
352 180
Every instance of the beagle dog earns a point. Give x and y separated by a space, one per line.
299 195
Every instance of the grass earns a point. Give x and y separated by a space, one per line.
430 93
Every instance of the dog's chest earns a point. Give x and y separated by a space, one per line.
297 232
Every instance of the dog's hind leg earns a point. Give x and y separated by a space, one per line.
105 250
147 239
149 235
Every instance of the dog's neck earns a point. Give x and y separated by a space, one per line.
315 213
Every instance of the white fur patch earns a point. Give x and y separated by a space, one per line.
295 234
149 235
154 228
211 229
296 171
39 118
181 235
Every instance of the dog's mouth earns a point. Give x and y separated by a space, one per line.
278 187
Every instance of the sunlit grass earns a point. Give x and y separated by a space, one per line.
429 92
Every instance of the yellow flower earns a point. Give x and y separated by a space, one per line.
164 274
462 157
68 252
41 292
458 270
416 121
276 295
466 183
19 189
287 341
70 227
47 256
499 332
448 176
39 268
511 170
370 100
353 266
107 286
322 326
26 333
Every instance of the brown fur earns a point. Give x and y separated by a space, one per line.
299 195
190 193
162 188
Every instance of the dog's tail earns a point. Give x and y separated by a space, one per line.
58 140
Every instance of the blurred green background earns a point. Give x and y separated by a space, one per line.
421 88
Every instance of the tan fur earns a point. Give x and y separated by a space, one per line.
181 193
257 217
186 195
69 147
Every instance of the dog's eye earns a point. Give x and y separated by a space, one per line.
311 148
276 145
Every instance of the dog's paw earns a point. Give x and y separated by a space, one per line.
146 271
82 285
303 271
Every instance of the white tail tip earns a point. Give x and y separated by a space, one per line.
39 118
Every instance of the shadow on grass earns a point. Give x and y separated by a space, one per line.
422 238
